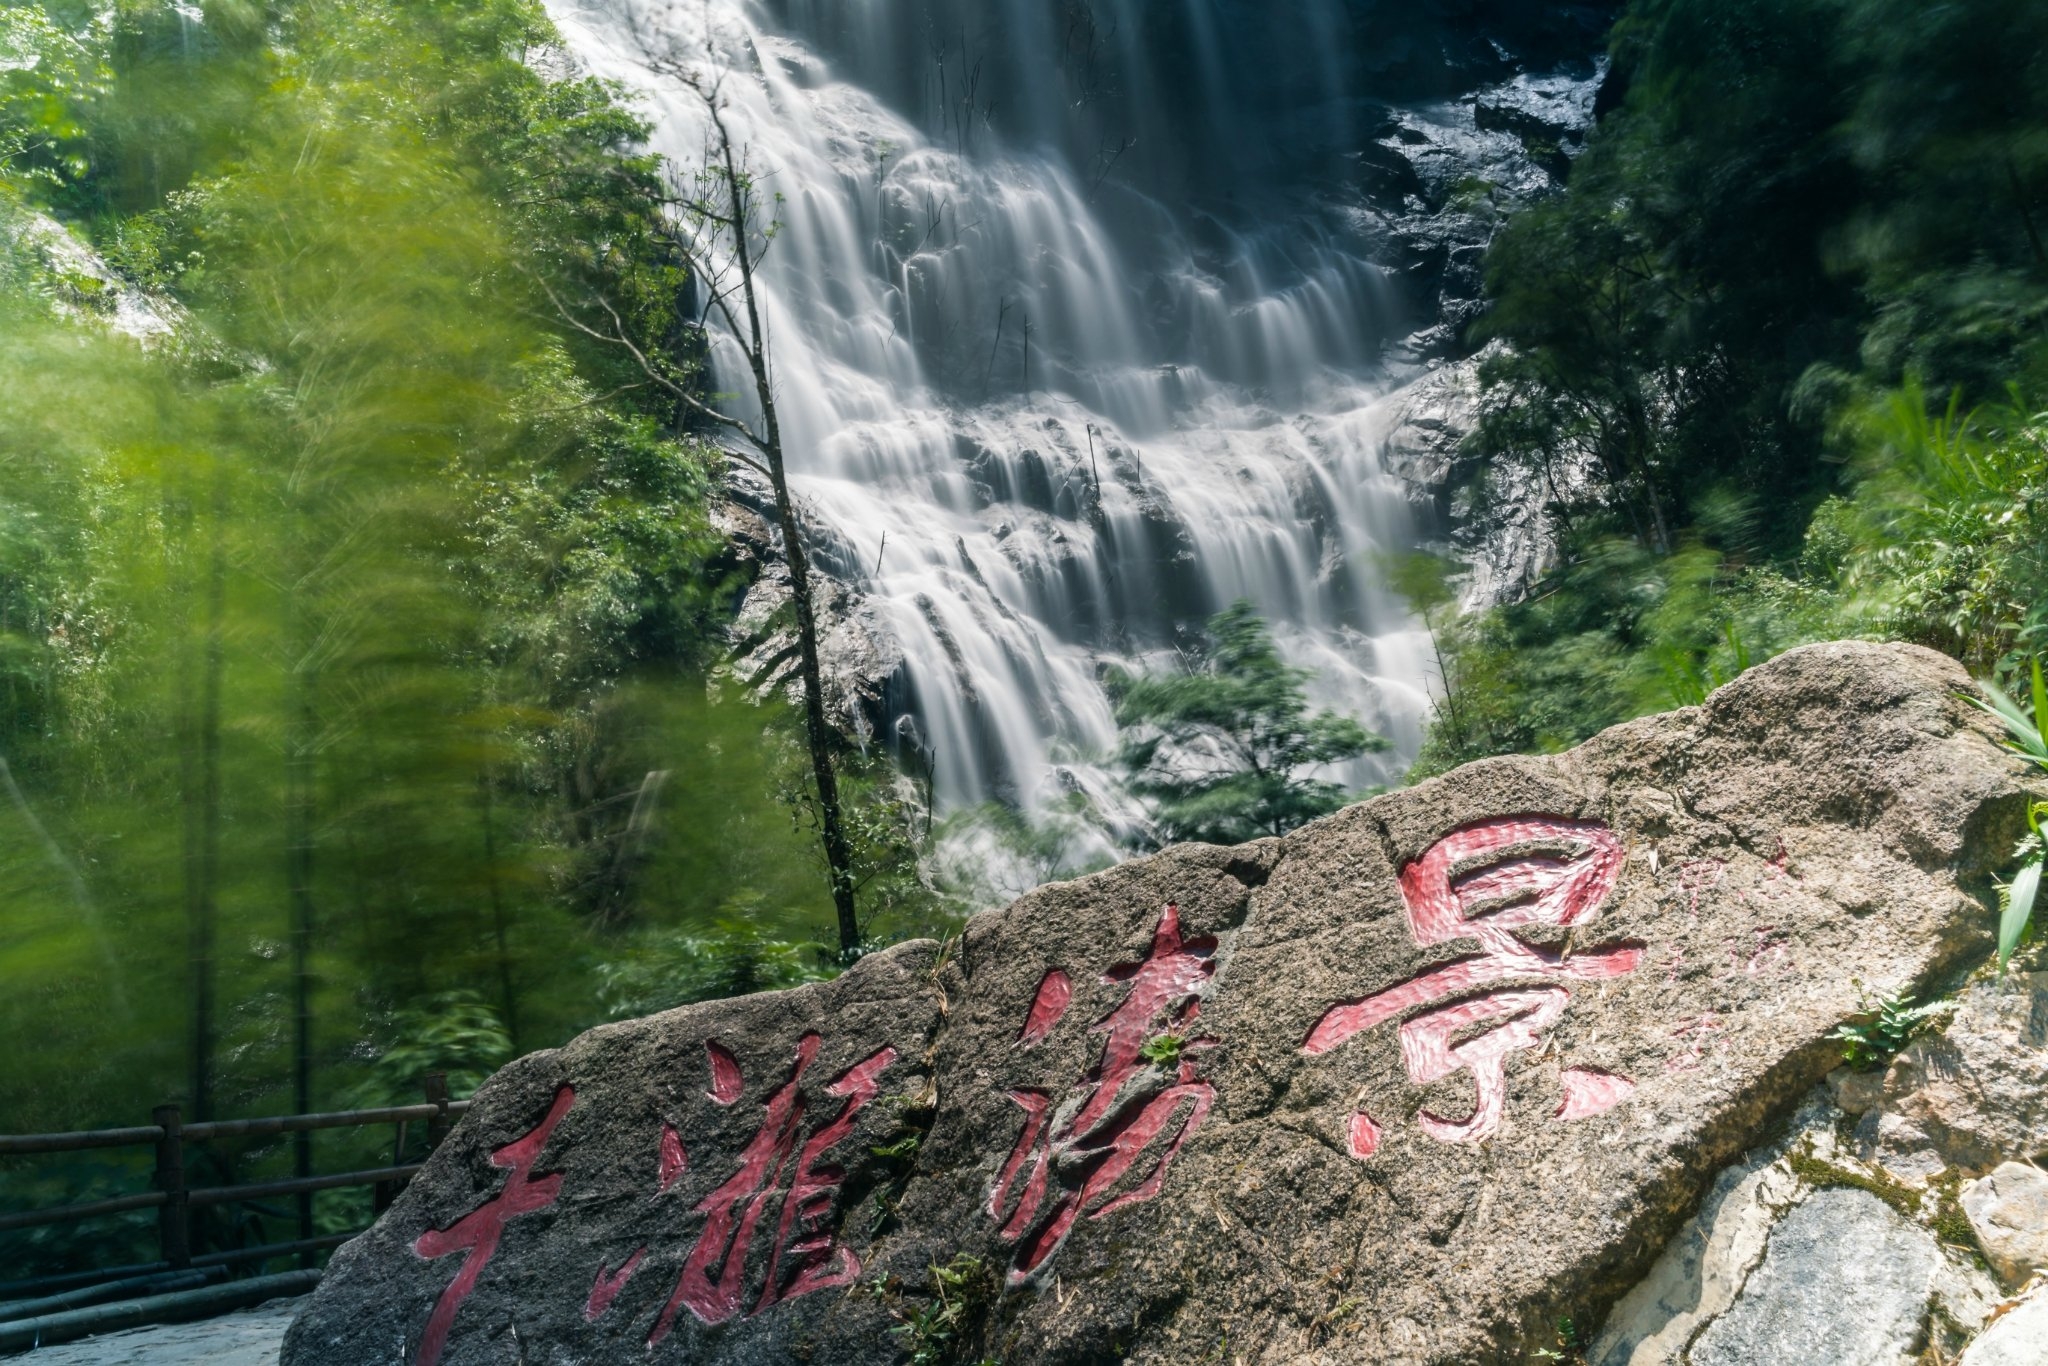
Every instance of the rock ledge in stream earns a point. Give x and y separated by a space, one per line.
1408 1085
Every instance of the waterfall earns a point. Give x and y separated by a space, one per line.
1073 342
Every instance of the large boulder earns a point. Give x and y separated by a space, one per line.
1423 1082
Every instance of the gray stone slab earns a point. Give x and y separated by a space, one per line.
2008 1211
1703 1269
251 1337
2019 1337
1845 1282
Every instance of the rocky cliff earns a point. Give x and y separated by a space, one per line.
1445 1077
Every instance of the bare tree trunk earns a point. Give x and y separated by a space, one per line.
712 226
300 738
818 733
507 995
2019 197
185 726
1444 676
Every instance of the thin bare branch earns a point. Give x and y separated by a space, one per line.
668 384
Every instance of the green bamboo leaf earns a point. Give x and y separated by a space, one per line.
2002 706
2025 735
2040 707
2019 908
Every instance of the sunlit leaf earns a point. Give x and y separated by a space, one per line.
2019 909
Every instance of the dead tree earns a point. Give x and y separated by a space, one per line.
720 235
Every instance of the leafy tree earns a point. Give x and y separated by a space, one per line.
1657 317
732 957
1616 632
1221 748
1723 355
1950 136
1946 542
455 1033
724 227
47 75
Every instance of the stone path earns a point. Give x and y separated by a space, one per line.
250 1337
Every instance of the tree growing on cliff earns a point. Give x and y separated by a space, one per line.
1222 749
719 231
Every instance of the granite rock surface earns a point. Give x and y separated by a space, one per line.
1411 1084
2008 1211
1845 1281
1973 1094
2018 1337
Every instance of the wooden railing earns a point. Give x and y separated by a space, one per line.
178 1269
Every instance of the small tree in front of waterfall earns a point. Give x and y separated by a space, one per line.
719 228
1223 749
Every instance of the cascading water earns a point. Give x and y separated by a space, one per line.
1070 351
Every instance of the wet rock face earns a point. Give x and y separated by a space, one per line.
1434 181
1406 1086
1504 541
859 659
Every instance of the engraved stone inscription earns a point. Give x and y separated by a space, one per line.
804 1256
477 1233
1127 1106
1484 881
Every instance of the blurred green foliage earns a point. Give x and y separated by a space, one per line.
348 592
989 855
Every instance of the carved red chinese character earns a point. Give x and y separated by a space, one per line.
1122 1115
477 1233
1484 881
805 1256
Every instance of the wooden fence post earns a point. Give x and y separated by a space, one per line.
437 1095
174 1232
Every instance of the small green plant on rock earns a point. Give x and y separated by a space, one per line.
1163 1050
1875 1037
903 1147
899 1156
2016 898
1571 1345
933 1334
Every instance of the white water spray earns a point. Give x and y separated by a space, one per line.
1047 418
